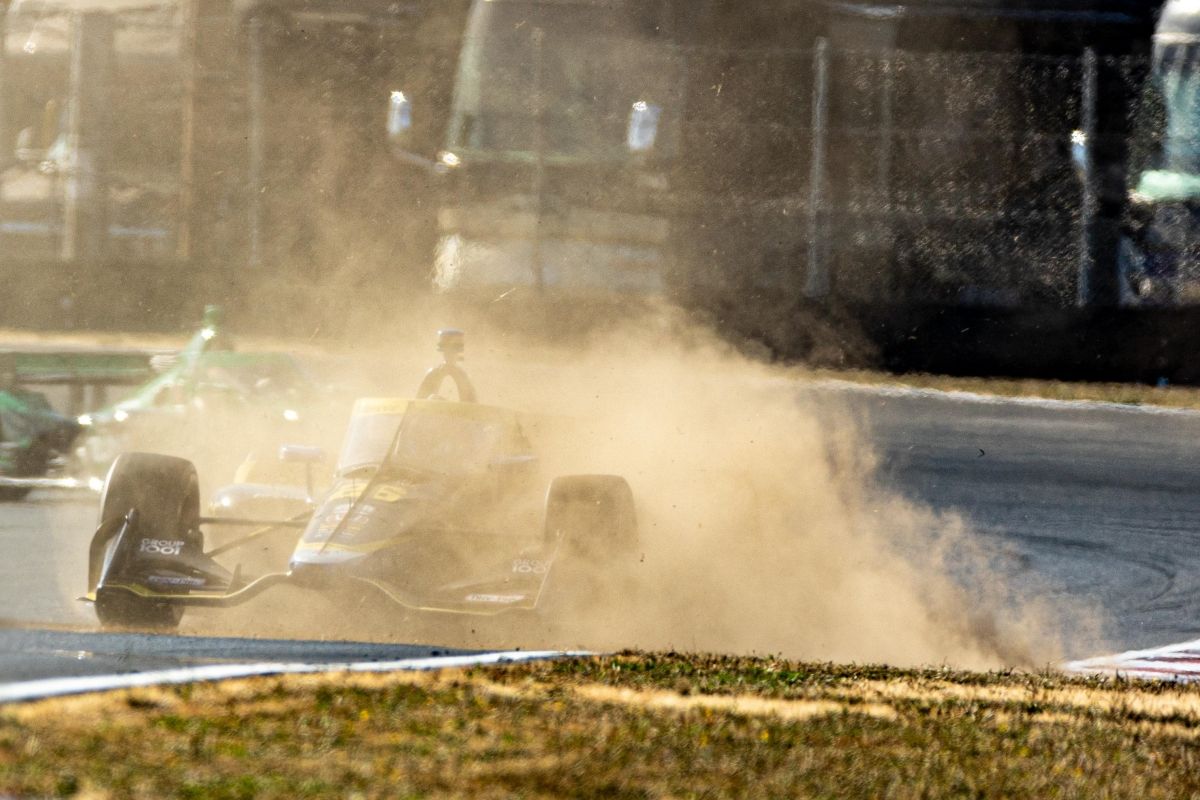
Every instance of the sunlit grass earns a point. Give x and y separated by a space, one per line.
632 725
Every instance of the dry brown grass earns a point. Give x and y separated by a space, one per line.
632 725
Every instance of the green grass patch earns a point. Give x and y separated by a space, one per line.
631 725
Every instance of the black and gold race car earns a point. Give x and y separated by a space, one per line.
436 505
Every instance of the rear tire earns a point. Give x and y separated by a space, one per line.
11 494
592 521
165 491
32 463
591 517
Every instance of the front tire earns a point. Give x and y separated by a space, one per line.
116 608
165 493
30 463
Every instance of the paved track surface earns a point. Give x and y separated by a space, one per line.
1090 505
33 654
1079 504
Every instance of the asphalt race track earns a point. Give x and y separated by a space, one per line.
30 654
1078 503
1083 503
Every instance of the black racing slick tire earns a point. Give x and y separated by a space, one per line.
119 609
165 493
591 527
13 494
31 464
591 517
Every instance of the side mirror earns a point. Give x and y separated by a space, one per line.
1080 155
400 134
306 455
399 119
512 462
643 126
26 150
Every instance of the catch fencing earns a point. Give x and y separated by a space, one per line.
962 177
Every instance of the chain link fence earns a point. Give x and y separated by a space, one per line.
886 175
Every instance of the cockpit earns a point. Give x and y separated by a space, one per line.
433 436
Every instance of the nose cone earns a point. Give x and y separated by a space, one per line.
323 570
311 576
314 564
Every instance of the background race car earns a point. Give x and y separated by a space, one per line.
207 401
207 392
34 439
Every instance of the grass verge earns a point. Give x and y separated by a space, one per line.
631 725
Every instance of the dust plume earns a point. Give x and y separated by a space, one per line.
762 528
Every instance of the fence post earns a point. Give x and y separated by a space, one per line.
816 284
85 186
256 106
7 144
1084 295
210 92
538 42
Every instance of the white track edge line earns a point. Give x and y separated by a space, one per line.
1124 663
58 687
1150 651
979 398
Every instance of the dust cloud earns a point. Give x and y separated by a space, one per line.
762 528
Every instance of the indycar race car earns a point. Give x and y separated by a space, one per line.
197 390
172 400
33 439
37 442
436 505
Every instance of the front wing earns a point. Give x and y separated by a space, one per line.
124 558
174 572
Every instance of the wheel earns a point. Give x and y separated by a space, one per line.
121 609
591 524
165 491
31 463
11 494
35 460
591 517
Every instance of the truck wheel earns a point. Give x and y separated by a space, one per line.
165 491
